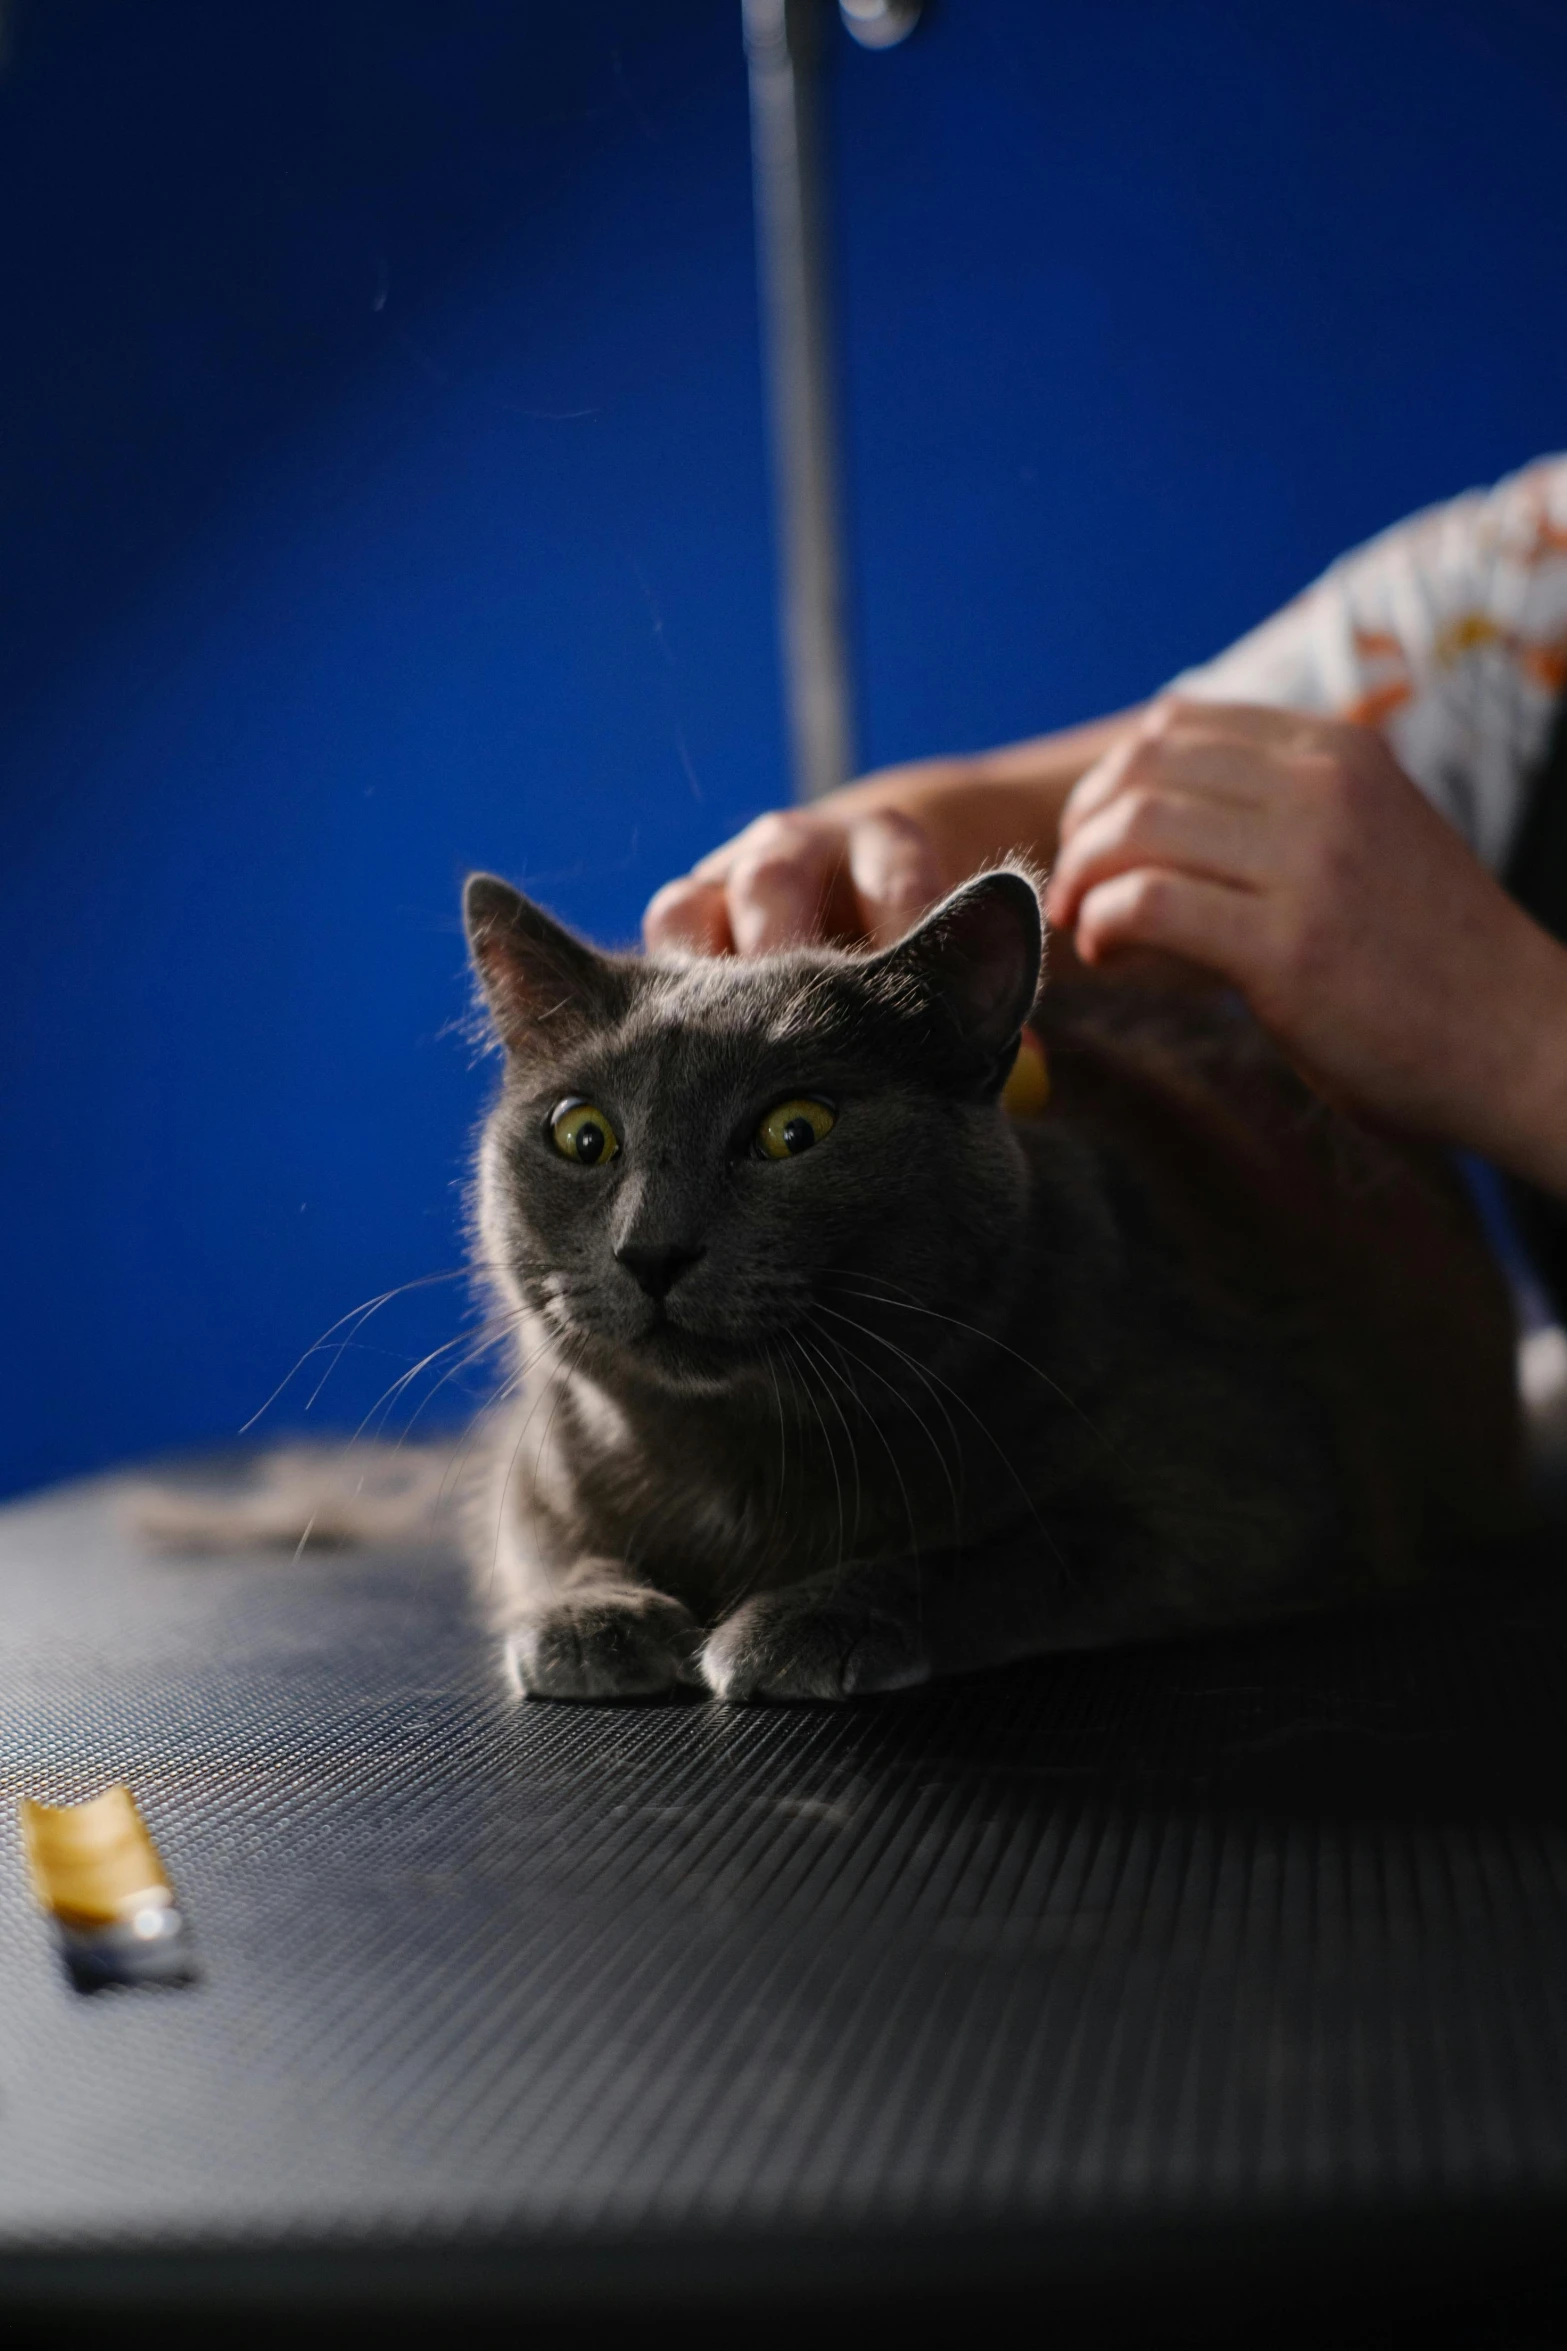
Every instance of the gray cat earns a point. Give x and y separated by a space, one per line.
837 1376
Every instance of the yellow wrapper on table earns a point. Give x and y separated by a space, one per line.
93 1864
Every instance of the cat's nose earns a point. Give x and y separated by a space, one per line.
658 1265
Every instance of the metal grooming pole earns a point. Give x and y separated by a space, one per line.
784 43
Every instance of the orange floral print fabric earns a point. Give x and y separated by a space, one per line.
1448 633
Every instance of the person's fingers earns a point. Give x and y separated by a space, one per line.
1216 734
714 867
1268 725
1223 840
795 876
1195 757
894 874
1097 786
781 883
1257 722
1217 766
1202 921
688 917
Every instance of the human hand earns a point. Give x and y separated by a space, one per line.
837 872
1292 857
860 867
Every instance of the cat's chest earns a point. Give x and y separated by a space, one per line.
662 1489
707 1504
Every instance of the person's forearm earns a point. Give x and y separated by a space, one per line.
1517 1111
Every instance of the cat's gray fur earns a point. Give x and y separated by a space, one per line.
950 1388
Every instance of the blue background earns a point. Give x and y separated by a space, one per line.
383 486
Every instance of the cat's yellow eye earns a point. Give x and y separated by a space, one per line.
793 1127
582 1133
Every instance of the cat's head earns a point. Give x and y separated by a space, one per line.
691 1164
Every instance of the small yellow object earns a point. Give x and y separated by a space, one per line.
1027 1090
582 1132
793 1127
94 1865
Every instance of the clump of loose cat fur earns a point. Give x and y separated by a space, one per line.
302 1495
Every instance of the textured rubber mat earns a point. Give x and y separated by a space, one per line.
1247 1934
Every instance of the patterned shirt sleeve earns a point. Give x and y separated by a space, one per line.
1449 633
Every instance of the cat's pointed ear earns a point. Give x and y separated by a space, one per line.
542 985
975 960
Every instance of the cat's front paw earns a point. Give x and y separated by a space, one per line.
810 1643
621 1644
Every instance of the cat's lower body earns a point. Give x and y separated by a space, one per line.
595 1631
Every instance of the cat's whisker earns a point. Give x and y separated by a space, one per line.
926 1378
735 1594
477 1423
358 1316
854 1451
453 1371
783 1432
505 1484
832 1458
747 1584
493 1336
813 1391
908 1506
561 1386
478 1343
999 1451
985 1431
908 1306
388 1396
913 1411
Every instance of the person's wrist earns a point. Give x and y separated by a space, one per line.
1519 1117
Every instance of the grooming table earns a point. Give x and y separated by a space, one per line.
1136 1980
